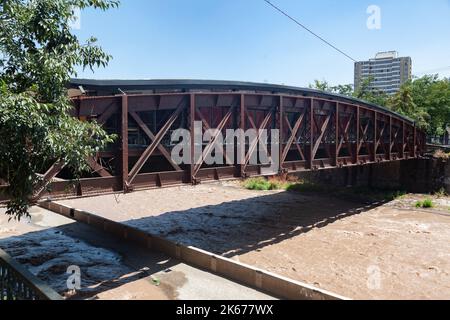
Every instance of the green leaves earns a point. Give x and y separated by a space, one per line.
38 55
427 101
364 92
96 4
38 47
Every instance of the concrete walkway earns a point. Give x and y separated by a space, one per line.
110 269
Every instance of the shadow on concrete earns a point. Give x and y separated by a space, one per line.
238 227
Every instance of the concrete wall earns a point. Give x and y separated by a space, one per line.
427 175
447 177
415 175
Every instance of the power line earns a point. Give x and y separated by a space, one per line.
309 30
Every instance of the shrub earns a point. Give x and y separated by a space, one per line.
262 184
259 184
428 203
425 204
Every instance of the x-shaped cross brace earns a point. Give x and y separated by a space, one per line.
364 139
255 142
152 137
213 141
323 130
293 137
155 143
345 136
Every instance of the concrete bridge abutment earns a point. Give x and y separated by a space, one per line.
415 175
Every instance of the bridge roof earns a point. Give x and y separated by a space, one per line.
111 87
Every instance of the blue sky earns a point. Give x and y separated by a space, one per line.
247 40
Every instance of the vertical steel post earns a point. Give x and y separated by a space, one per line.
193 180
358 125
243 148
125 164
390 139
281 128
375 136
311 147
336 142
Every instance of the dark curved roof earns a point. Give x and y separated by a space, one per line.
116 86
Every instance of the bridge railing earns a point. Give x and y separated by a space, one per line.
17 283
443 141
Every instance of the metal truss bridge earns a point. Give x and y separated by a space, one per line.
318 131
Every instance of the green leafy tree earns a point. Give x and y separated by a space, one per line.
346 90
38 55
433 94
321 85
403 102
427 101
363 92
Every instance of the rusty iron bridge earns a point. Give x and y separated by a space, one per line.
318 131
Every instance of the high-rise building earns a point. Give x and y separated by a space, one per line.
387 72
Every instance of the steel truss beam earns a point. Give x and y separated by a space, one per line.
316 132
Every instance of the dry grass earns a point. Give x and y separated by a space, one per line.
440 154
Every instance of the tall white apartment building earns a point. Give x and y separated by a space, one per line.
387 71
